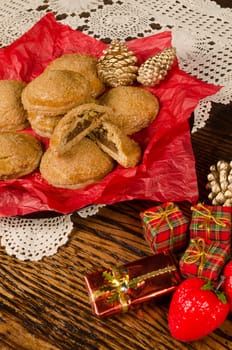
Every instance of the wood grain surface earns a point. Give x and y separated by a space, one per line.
45 306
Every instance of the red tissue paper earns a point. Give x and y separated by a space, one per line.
167 170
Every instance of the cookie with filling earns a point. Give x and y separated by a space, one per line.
20 154
112 140
12 113
86 163
76 124
134 107
81 63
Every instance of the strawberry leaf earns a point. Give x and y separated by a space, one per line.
208 286
222 297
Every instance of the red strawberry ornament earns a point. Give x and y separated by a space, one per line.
196 310
227 284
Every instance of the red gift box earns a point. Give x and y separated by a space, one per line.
204 258
211 222
165 227
118 289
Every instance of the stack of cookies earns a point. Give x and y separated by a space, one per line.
89 128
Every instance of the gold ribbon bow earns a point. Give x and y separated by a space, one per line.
163 215
117 287
200 254
206 213
119 284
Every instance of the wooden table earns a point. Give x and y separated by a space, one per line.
45 305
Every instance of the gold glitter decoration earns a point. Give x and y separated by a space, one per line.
156 68
117 65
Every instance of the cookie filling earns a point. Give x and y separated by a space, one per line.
77 130
101 136
84 124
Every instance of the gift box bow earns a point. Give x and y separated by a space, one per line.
204 254
205 217
118 285
169 216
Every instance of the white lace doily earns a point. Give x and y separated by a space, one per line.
90 210
202 35
202 31
32 239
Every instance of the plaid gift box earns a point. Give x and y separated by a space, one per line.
204 258
211 222
165 227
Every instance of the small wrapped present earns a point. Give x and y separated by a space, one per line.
204 258
211 222
118 289
165 227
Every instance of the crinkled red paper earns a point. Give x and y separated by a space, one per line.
167 171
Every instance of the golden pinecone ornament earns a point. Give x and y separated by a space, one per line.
155 68
220 183
117 65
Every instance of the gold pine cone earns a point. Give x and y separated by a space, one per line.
220 183
155 68
117 65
